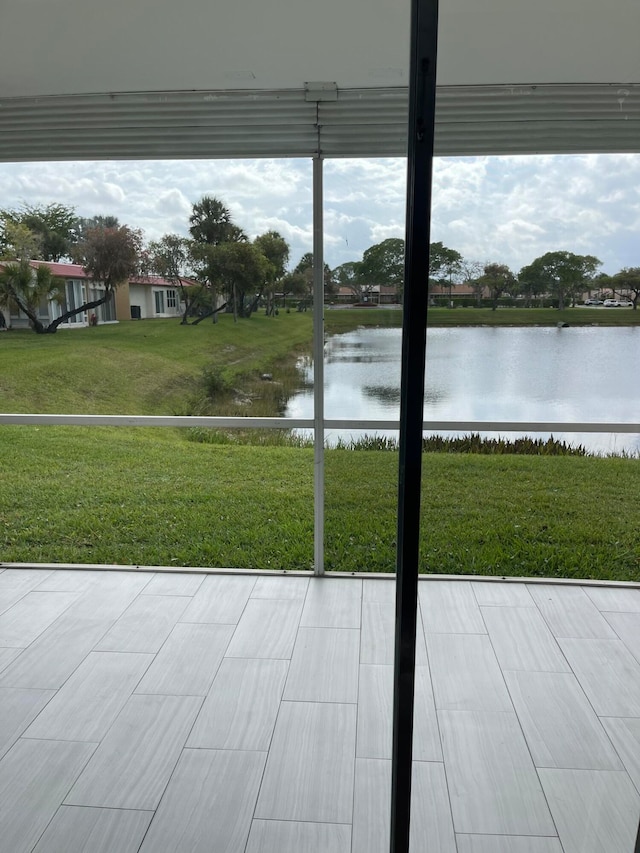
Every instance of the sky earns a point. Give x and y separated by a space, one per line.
491 209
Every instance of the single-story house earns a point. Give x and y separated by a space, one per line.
148 296
375 294
137 299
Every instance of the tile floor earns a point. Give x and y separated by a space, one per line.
167 713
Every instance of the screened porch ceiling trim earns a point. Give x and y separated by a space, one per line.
365 122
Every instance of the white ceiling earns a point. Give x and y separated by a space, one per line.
552 54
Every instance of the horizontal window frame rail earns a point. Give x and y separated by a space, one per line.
308 423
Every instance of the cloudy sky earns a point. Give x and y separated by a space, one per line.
504 209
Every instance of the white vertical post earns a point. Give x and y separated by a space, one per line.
318 369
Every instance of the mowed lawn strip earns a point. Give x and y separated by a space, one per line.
344 319
150 497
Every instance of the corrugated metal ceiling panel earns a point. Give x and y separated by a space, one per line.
471 120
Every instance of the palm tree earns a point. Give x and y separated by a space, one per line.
27 288
210 222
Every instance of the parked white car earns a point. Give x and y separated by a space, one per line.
612 303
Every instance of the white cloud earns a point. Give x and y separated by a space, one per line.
506 209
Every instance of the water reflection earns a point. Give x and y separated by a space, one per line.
499 374
388 395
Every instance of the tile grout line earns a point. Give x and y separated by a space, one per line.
522 732
275 722
437 722
355 740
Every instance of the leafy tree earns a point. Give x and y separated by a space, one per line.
54 224
305 268
172 258
206 270
628 279
110 256
20 242
531 285
444 264
29 289
305 262
383 263
498 278
470 274
211 223
86 224
294 284
276 250
562 274
443 260
241 270
348 275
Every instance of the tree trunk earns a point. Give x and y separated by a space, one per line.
212 313
35 324
53 325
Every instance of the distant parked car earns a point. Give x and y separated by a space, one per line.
625 304
593 301
612 303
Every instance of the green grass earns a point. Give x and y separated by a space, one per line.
346 319
144 496
149 497
492 515
148 367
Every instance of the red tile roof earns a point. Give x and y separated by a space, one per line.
157 279
62 270
76 271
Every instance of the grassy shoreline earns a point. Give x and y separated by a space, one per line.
161 367
147 368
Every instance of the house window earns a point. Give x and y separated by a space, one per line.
107 311
159 296
171 299
73 299
70 294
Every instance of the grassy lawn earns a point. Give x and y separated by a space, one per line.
147 496
150 497
144 496
147 367
493 515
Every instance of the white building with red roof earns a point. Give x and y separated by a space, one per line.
140 298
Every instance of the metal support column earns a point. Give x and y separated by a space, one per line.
318 369
422 94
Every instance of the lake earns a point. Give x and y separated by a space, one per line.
498 374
